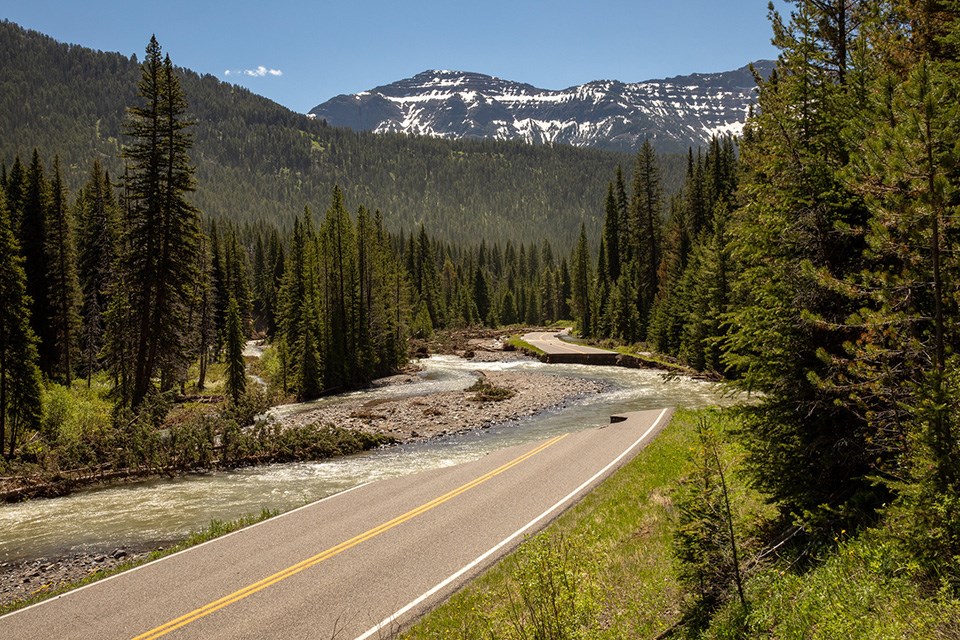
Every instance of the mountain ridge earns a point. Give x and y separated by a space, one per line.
259 162
674 113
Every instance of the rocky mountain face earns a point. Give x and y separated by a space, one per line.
674 113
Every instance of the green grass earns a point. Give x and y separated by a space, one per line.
652 359
605 570
607 561
215 529
860 591
519 344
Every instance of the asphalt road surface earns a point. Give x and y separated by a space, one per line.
550 343
356 565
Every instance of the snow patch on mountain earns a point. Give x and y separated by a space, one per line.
674 113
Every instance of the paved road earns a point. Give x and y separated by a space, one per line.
354 565
550 343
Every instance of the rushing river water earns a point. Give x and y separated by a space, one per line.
156 511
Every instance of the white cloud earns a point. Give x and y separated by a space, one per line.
260 72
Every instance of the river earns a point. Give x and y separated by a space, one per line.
161 510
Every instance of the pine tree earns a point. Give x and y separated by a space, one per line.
564 290
19 375
611 235
508 309
203 313
277 262
580 300
64 297
266 283
902 367
300 307
624 315
396 297
646 222
16 187
481 293
382 315
33 234
338 275
220 288
705 298
426 280
238 278
366 259
97 216
704 542
668 314
236 368
624 224
602 327
163 232
797 235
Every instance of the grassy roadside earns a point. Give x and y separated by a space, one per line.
603 570
860 590
606 570
516 343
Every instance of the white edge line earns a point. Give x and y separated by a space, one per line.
400 612
174 555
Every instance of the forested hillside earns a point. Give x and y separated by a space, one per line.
259 161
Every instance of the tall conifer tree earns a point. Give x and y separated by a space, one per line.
236 368
98 230
799 233
33 234
339 276
16 187
63 295
903 369
646 222
163 231
19 375
580 300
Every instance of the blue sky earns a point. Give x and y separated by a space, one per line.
303 53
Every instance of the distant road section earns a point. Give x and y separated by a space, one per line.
557 350
357 565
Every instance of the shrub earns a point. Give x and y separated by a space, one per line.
484 391
554 597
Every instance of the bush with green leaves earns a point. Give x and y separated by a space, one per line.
705 541
554 596
485 391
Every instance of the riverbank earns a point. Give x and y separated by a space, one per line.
414 418
436 415
34 577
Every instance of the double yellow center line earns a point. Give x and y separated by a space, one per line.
249 590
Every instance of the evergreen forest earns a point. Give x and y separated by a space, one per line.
259 161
